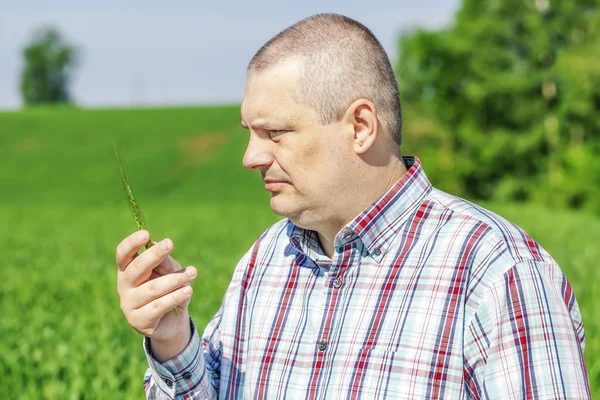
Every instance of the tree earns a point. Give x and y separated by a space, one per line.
515 84
49 64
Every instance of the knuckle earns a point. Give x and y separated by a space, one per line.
182 279
175 297
123 247
118 255
122 283
134 266
157 251
175 282
120 245
171 282
154 256
137 265
152 289
125 304
156 308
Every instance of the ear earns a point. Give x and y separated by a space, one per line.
362 116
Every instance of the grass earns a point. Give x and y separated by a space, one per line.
62 208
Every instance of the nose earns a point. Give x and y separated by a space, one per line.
259 153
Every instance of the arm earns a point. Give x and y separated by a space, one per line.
198 371
147 299
192 374
526 338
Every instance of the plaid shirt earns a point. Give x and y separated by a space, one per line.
426 296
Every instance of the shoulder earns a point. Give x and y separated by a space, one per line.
495 245
504 238
505 255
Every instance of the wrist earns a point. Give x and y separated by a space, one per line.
164 350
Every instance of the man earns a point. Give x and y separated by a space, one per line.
376 284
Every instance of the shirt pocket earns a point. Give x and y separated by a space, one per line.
381 373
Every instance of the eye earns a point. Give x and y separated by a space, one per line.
274 133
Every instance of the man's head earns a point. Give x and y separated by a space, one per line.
323 111
341 61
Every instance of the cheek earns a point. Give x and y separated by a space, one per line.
322 164
301 156
313 163
311 157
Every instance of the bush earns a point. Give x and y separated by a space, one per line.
513 87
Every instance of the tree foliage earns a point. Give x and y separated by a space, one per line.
515 85
49 62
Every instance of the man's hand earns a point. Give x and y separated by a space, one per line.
148 300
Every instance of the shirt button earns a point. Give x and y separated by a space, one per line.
377 251
337 283
187 375
169 382
322 345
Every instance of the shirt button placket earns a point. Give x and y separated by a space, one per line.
322 345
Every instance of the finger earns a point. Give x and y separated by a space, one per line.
166 266
159 307
129 247
141 267
161 286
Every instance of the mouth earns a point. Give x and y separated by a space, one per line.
273 185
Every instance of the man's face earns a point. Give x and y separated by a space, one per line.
301 161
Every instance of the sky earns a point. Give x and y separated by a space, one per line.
145 53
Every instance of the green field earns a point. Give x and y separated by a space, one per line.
62 333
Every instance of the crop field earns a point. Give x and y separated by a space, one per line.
62 212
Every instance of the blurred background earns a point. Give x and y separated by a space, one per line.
501 101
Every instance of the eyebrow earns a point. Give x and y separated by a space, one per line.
262 123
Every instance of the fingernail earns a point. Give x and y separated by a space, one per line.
188 290
190 271
164 244
142 236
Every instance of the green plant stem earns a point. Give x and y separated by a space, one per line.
134 206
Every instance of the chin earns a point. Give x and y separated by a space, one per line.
278 206
296 213
284 207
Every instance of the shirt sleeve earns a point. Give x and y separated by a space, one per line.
192 374
526 338
200 369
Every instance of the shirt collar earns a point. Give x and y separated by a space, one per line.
378 223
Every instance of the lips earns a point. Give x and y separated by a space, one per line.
273 185
274 181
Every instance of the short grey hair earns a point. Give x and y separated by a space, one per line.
342 61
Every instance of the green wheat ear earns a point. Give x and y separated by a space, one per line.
134 206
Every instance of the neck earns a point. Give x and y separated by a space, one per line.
374 187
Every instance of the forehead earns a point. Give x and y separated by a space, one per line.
269 93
